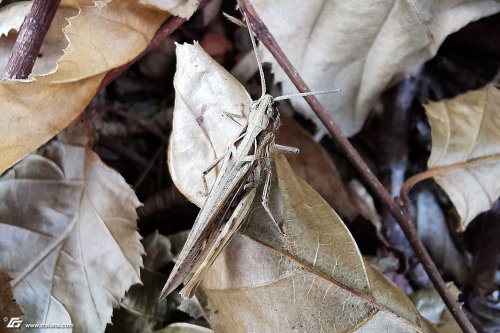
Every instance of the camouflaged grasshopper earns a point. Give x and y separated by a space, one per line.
245 165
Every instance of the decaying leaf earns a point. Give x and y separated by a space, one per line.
140 310
101 36
8 306
465 128
360 47
315 166
312 277
69 239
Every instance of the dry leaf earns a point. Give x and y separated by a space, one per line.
204 93
360 47
311 279
315 166
8 306
140 310
69 236
464 128
101 37
182 8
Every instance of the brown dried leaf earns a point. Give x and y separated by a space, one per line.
360 47
465 128
78 217
315 166
311 278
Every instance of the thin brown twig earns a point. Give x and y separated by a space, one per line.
412 181
167 28
402 217
30 38
148 168
147 125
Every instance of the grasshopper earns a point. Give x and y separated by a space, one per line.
245 165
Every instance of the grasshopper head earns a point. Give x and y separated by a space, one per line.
264 114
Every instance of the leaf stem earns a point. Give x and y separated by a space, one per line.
30 39
402 216
412 181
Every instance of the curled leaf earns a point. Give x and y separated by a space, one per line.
464 129
205 93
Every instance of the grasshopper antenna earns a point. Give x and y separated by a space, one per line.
309 93
259 62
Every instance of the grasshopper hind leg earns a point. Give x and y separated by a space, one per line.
266 192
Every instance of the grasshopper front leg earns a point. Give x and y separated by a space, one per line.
228 153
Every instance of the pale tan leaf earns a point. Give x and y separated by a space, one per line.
360 47
12 16
101 37
312 278
204 93
70 239
182 8
465 128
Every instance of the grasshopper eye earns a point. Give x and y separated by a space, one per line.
272 111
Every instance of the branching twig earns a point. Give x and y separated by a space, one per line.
401 216
30 39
